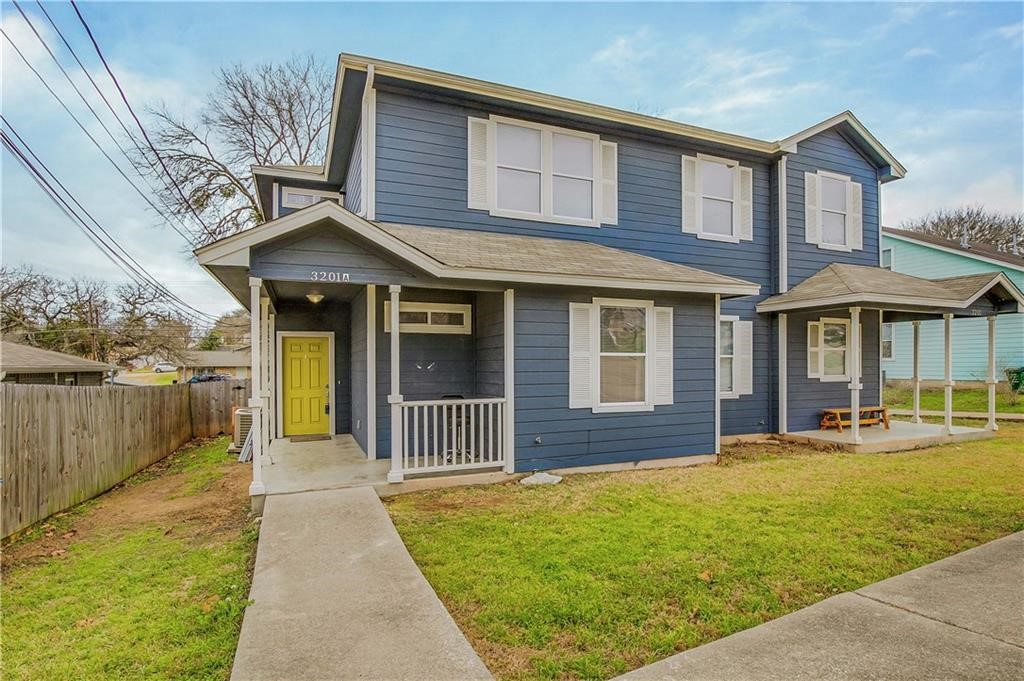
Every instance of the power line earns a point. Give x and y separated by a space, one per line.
137 266
136 272
99 91
145 135
85 130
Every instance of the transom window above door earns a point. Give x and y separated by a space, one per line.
532 171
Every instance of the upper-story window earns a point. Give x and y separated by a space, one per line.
294 197
833 211
717 198
531 171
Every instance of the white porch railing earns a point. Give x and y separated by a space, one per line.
450 435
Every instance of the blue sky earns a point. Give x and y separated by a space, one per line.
939 84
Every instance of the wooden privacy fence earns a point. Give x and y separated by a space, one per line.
62 445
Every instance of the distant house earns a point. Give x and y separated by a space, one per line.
24 364
234 363
925 255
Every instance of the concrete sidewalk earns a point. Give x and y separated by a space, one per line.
958 618
337 596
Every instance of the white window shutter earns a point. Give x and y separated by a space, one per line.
581 355
746 204
691 202
664 389
743 360
609 183
812 214
479 162
854 216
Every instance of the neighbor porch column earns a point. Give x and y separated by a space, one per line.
947 424
917 371
855 385
992 380
395 398
255 397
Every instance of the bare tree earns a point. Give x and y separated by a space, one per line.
233 327
1004 231
266 114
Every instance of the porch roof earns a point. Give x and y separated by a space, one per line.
470 255
838 285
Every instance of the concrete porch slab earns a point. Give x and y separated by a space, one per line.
337 463
901 436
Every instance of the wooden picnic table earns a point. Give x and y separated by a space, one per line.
839 417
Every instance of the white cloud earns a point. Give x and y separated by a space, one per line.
631 48
1012 32
920 53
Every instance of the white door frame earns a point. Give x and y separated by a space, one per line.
278 373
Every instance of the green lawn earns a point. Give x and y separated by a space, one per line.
607 572
964 399
148 581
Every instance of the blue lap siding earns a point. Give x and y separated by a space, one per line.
579 437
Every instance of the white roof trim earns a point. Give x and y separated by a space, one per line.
1000 278
789 144
955 251
235 249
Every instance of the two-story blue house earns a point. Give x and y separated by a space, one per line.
483 277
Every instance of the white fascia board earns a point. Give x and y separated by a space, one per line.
950 249
859 299
790 143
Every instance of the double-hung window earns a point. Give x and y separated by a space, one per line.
735 356
717 198
828 344
833 211
620 355
888 342
532 171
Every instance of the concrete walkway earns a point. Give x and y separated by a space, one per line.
958 414
337 596
958 618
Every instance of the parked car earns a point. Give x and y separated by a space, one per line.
164 366
204 378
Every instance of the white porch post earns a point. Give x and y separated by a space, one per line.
395 398
255 397
265 346
510 382
855 385
272 376
947 425
917 371
992 380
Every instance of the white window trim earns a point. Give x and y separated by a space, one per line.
335 196
892 342
732 319
547 175
733 166
409 306
847 248
649 336
820 372
892 259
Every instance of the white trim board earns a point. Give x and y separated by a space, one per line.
279 388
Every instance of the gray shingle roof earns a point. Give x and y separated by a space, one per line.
16 358
862 285
218 358
473 250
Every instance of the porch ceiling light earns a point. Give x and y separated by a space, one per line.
314 297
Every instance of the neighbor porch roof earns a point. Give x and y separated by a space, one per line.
469 255
841 285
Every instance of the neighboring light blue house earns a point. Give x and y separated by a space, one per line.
483 277
924 255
